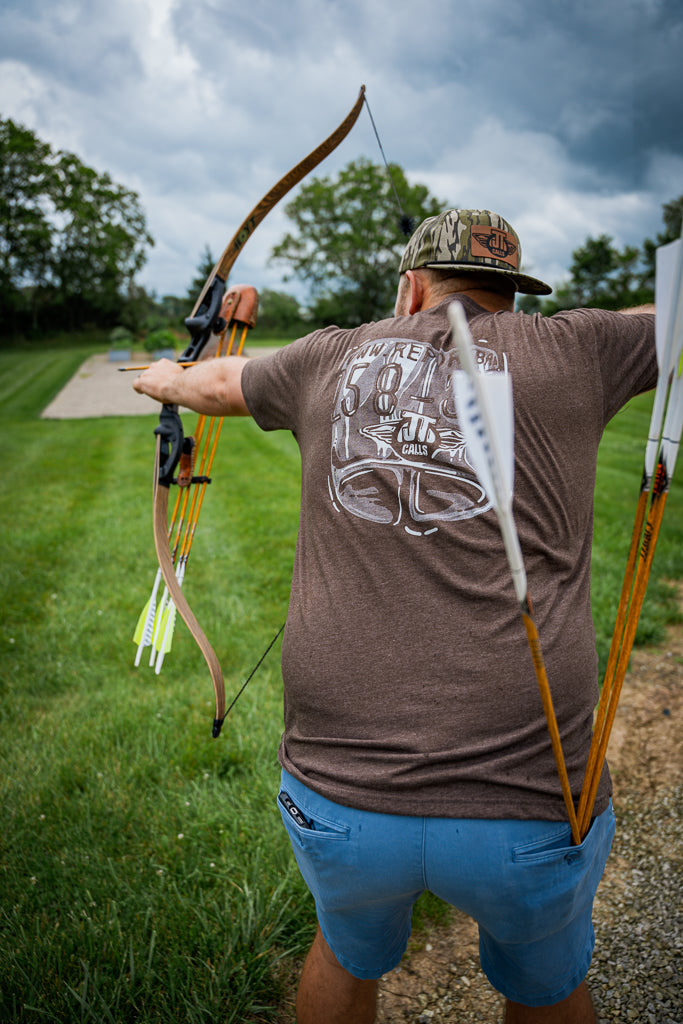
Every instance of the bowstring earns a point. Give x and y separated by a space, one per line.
254 670
405 221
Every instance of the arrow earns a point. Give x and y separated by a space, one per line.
185 362
156 624
144 630
485 411
664 439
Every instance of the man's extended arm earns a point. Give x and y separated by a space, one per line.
212 387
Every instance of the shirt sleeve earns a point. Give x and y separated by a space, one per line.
628 359
271 386
625 350
278 387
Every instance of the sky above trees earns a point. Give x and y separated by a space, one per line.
565 118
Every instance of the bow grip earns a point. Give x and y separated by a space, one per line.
170 431
203 324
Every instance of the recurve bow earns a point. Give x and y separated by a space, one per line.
204 323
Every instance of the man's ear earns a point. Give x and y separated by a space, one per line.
417 292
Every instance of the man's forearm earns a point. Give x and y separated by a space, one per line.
212 387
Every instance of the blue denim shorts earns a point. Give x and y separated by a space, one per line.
529 890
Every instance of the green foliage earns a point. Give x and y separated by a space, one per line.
529 304
605 277
71 239
174 309
164 338
120 338
145 874
280 314
25 233
204 269
348 240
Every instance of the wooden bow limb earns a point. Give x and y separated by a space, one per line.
160 523
199 322
203 325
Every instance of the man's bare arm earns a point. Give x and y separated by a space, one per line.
212 387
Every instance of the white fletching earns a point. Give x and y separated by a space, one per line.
485 414
495 474
668 328
668 302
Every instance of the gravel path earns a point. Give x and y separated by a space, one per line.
100 388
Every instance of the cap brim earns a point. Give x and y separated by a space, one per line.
523 283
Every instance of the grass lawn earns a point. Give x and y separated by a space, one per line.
144 873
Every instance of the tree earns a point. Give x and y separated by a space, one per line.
608 278
672 213
25 231
280 313
71 239
603 277
174 309
204 268
348 239
100 242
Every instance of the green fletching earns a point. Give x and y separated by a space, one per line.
165 634
142 622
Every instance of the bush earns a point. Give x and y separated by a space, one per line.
120 338
161 339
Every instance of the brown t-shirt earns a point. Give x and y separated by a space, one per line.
409 686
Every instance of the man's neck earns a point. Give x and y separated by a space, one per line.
492 302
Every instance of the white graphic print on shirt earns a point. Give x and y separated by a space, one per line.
398 454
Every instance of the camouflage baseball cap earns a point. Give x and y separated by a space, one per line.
470 240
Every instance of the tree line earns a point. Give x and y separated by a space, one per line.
348 241
71 239
72 242
602 275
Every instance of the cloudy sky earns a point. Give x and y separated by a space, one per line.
567 118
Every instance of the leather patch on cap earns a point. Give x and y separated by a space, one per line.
493 243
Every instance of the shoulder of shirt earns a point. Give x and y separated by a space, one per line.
598 313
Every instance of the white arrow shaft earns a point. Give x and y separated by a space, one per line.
480 425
